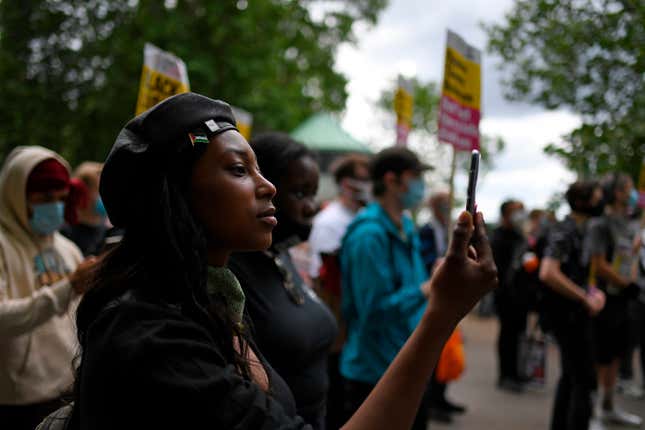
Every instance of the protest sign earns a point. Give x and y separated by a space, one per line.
163 75
403 106
244 121
459 108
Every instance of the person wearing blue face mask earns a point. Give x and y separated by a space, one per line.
41 277
90 230
384 280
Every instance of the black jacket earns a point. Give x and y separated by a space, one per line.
147 365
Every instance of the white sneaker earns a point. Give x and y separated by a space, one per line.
620 417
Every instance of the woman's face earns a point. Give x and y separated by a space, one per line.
230 197
297 192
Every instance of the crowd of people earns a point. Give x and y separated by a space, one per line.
159 289
582 277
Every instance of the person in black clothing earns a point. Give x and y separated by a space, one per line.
88 233
293 329
569 305
163 340
508 245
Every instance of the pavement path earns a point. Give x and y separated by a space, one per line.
490 408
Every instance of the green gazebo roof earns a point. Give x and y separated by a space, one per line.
322 132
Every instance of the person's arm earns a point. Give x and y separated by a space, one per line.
553 277
599 243
558 248
458 283
20 316
606 272
394 401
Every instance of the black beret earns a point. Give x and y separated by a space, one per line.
148 147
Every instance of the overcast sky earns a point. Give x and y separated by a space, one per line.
410 38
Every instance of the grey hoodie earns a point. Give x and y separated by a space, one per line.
37 329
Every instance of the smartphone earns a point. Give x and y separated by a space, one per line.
472 181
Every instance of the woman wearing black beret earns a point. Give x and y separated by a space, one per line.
163 339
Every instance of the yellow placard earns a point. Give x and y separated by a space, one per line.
156 87
243 120
245 130
462 79
403 105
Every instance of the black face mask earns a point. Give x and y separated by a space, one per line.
593 211
290 231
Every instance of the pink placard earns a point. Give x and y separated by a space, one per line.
458 124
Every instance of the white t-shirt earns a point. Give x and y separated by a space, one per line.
327 233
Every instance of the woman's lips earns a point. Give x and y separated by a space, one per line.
268 217
271 220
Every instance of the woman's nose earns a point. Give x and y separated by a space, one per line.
309 207
266 188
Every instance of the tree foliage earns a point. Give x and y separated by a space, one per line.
70 69
585 56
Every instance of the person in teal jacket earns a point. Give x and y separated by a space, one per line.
383 276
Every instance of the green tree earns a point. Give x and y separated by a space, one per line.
424 131
69 69
585 56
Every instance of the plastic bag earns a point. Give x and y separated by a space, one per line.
452 361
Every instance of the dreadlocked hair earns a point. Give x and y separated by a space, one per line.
164 257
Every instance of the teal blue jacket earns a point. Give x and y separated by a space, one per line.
382 272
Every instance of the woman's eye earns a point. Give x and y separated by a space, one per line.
238 170
299 195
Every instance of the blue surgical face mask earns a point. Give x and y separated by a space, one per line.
633 199
99 208
47 218
414 195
